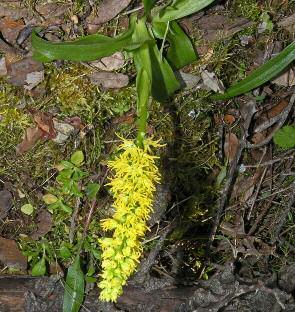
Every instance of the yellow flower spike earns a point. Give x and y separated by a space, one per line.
133 187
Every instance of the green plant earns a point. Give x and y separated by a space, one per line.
285 137
155 77
65 242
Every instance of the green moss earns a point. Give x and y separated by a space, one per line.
247 8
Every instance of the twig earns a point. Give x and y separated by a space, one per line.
146 264
256 193
73 220
90 213
283 117
270 162
285 213
249 113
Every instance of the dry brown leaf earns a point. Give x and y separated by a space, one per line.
45 123
10 28
10 254
286 79
106 11
20 72
214 27
231 145
44 223
288 23
127 118
108 80
32 135
229 119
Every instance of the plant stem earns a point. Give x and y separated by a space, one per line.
142 123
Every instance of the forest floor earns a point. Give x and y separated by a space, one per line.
222 232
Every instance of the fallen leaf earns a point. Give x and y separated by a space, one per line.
231 145
108 80
286 79
187 80
27 209
288 23
32 135
44 223
211 82
106 11
26 72
5 203
10 254
214 27
33 79
45 123
229 119
127 118
10 28
110 63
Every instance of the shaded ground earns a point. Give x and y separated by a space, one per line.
225 209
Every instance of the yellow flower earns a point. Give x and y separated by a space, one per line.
133 187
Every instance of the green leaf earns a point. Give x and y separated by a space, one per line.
49 199
261 75
65 165
65 208
77 158
181 8
39 269
92 190
181 51
74 288
65 252
285 137
148 5
147 57
88 48
27 209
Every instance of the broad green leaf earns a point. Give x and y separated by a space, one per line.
65 208
27 209
261 75
92 190
65 252
285 137
181 51
49 199
65 165
77 158
88 48
181 8
148 5
39 269
164 82
74 288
